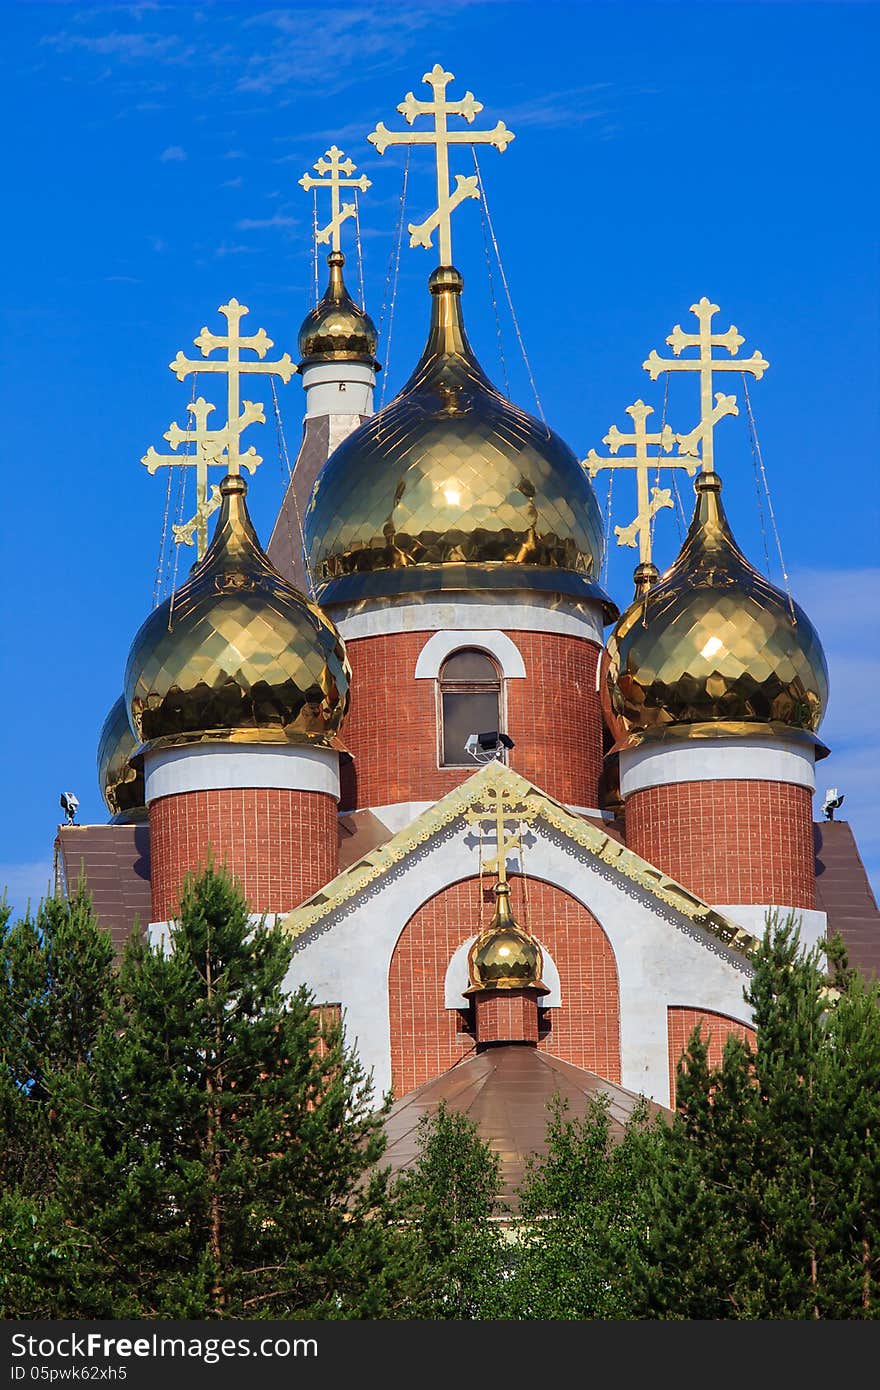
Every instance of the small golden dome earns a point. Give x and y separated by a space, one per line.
237 653
452 487
336 330
713 643
120 774
504 956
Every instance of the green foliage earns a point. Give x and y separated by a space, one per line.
769 1204
205 1158
446 1204
582 1218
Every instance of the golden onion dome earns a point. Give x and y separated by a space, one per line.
504 956
712 646
336 330
237 653
452 487
120 772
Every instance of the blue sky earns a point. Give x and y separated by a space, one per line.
662 152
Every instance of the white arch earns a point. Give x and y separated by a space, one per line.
442 644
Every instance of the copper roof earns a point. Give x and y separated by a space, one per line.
844 893
506 1091
115 860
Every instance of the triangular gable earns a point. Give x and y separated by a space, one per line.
379 862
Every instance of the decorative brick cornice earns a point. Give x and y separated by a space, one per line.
452 807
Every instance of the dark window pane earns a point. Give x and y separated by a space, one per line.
468 666
465 714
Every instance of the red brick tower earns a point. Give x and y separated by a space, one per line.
457 542
237 686
715 686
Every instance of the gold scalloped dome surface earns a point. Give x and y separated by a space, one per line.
452 487
336 330
713 642
237 652
121 780
504 956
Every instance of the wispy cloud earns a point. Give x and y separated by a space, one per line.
573 106
233 183
131 46
255 224
844 606
121 280
24 883
174 154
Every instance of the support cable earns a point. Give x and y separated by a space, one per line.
756 452
391 281
519 337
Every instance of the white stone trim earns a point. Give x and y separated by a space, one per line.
226 766
716 759
515 610
495 643
458 979
813 924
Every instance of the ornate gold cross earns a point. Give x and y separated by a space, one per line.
706 365
642 462
211 452
233 368
496 807
441 137
331 167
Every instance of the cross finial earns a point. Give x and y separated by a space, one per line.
642 462
704 363
218 448
335 171
441 137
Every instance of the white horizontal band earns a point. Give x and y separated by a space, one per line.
753 916
716 759
339 388
229 766
513 610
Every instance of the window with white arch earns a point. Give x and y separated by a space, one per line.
468 702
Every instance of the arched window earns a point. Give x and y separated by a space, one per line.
470 703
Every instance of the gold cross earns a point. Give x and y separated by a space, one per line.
706 364
441 138
331 166
211 452
233 368
642 462
497 806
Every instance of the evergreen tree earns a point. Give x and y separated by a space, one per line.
215 1165
447 1204
582 1218
769 1205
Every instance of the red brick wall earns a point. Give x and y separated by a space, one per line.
427 1038
715 1028
730 842
280 845
508 1015
553 716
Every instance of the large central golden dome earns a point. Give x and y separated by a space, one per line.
237 653
713 646
452 487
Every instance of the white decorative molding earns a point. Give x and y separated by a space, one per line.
226 766
495 643
813 924
716 759
457 978
516 611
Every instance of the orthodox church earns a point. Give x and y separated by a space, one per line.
522 841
